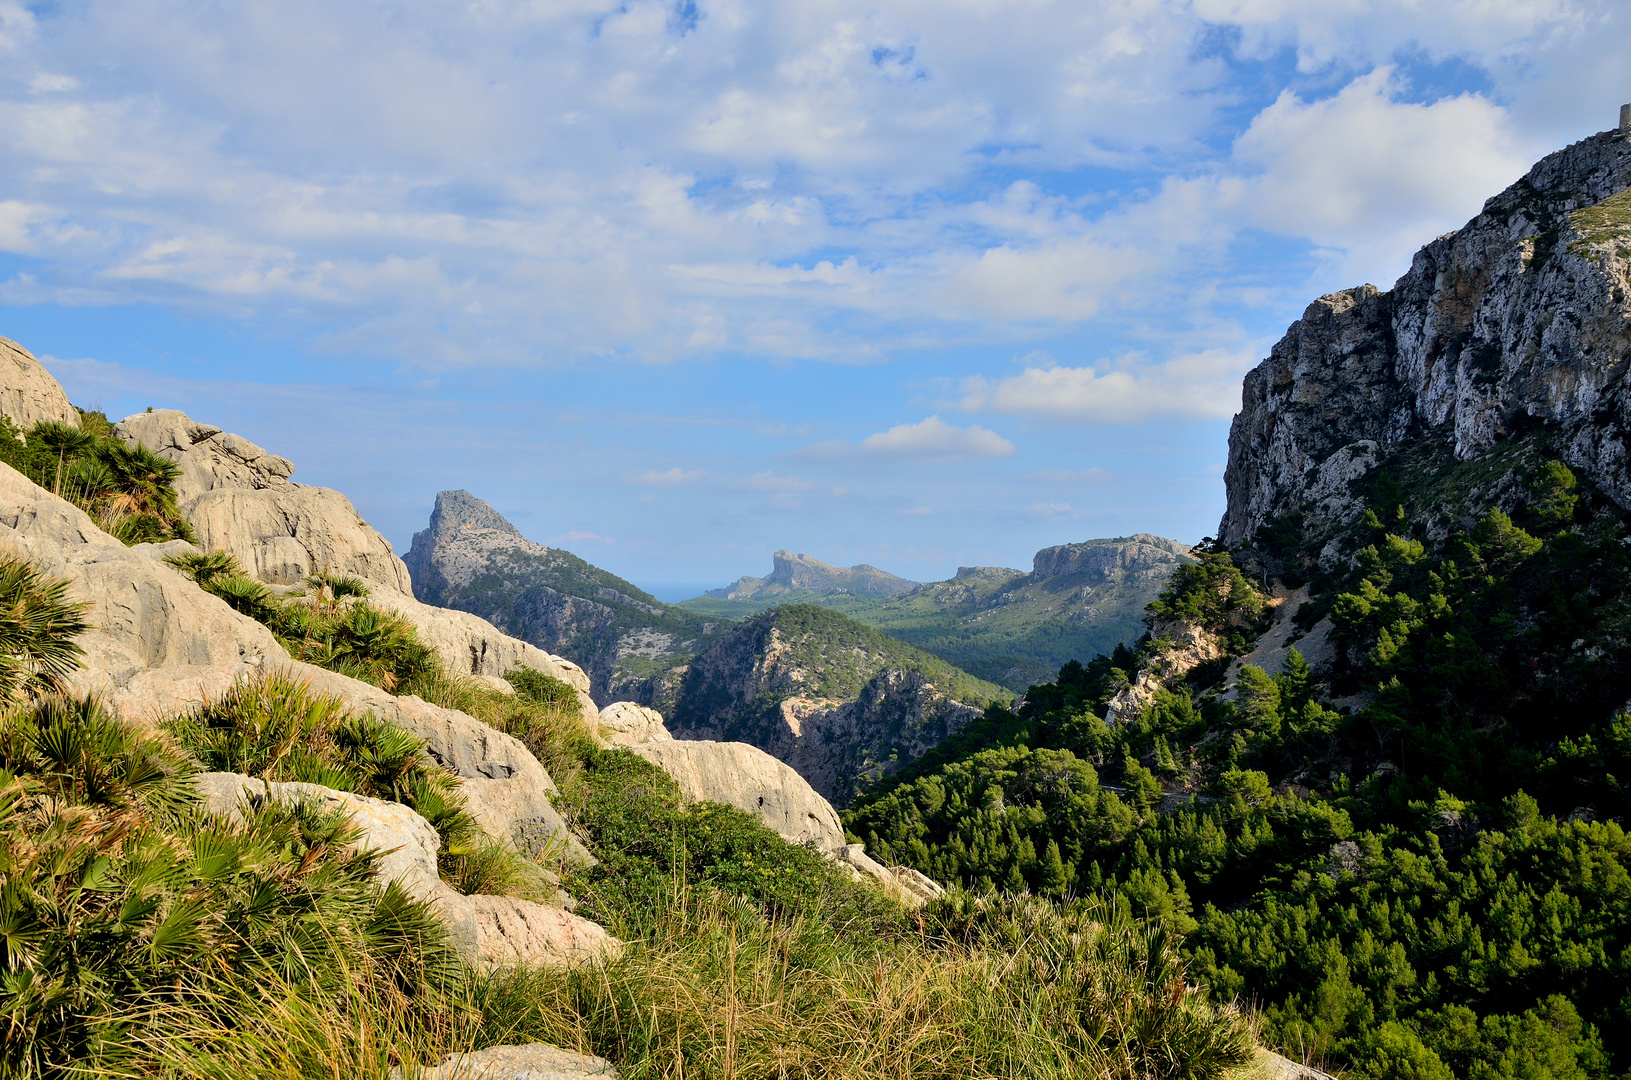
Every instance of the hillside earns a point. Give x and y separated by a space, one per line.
1006 626
472 559
1385 796
839 701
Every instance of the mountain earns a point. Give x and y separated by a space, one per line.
839 701
1007 626
800 576
1373 756
1507 341
629 642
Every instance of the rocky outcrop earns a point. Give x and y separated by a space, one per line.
158 643
240 499
489 931
623 723
1141 556
802 574
28 393
629 643
1178 647
749 779
534 1061
1518 322
470 644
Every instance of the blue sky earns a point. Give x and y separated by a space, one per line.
673 285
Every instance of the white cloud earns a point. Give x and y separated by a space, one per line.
676 475
593 538
1203 385
1372 175
936 439
930 440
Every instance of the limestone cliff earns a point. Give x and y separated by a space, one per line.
630 644
1508 338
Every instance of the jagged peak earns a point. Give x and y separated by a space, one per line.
459 512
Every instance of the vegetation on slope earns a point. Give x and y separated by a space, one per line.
1003 626
142 938
1430 882
128 490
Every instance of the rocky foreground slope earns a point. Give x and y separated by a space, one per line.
1006 626
1508 341
160 645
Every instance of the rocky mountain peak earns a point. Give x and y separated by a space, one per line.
1514 327
1141 553
803 573
459 513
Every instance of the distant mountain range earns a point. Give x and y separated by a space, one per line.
1003 625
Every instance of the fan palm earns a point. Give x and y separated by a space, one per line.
38 624
143 482
66 441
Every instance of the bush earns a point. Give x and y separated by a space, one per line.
119 900
275 728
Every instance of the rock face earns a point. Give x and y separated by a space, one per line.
1517 324
534 1061
838 701
629 643
801 574
489 931
623 723
159 644
1140 556
240 499
28 393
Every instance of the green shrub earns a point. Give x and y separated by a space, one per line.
38 624
275 728
119 900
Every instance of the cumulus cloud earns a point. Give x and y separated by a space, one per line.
1202 385
769 481
930 440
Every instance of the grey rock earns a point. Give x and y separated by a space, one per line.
489 931
1520 318
1267 1065
239 499
1139 556
750 779
158 643
534 1061
28 393
623 723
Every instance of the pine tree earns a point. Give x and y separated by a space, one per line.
1053 877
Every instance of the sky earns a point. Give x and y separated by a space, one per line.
673 285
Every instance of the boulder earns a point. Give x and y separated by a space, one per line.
28 393
488 931
470 644
623 723
1267 1065
240 499
158 643
209 458
748 778
534 1061
507 789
